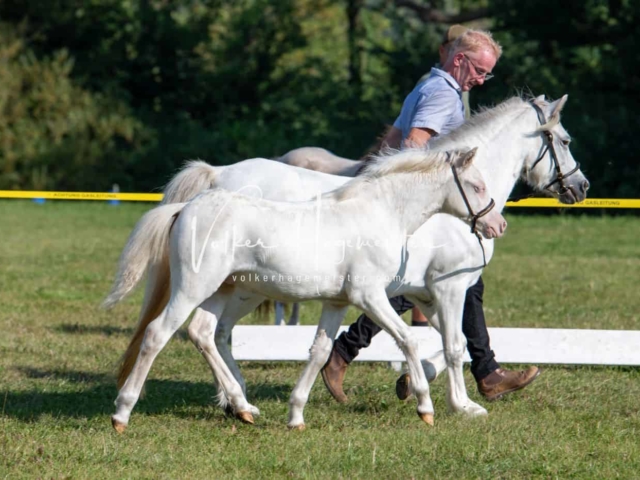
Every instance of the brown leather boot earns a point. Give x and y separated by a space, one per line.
500 382
333 376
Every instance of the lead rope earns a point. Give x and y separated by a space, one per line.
484 257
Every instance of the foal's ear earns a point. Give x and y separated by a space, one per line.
465 160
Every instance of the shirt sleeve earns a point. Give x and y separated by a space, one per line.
434 110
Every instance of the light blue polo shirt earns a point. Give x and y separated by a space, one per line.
435 103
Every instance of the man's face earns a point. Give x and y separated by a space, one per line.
473 67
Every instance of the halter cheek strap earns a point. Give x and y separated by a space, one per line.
550 148
474 216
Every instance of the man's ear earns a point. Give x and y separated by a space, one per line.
465 160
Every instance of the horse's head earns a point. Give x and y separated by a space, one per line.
469 199
554 169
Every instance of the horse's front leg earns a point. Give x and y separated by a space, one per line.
377 307
328 325
450 305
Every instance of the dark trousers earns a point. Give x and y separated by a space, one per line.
483 362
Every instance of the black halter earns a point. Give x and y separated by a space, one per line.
474 216
548 147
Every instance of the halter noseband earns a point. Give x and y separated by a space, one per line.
548 147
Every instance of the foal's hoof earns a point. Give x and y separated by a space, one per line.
118 426
426 418
245 417
299 428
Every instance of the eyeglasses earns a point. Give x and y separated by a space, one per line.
486 75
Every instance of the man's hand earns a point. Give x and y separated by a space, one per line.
418 137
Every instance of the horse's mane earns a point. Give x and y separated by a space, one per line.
392 162
480 119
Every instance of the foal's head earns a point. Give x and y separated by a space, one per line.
467 196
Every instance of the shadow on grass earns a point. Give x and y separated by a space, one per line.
107 330
161 396
269 391
95 393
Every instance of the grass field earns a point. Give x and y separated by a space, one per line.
58 351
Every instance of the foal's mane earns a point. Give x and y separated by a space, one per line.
389 162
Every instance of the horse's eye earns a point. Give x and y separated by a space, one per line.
566 142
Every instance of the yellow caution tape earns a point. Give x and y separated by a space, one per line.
156 197
588 203
130 197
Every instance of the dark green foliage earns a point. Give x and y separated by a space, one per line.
97 92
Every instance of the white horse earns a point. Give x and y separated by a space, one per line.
304 251
321 160
444 259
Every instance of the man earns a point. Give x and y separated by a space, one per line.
417 317
435 107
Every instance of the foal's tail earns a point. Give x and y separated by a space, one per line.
146 249
148 244
195 177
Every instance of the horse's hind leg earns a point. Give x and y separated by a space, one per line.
156 336
294 319
450 307
279 310
238 306
328 325
201 332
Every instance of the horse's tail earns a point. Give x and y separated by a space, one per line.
195 177
147 244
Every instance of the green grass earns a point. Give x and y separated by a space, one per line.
58 351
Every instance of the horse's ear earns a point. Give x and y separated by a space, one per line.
466 159
558 105
540 99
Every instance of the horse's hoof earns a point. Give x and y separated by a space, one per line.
299 428
426 418
255 411
118 426
245 417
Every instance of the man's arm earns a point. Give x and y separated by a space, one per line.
418 137
392 139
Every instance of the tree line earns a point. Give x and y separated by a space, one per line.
98 92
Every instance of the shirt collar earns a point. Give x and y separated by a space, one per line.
452 81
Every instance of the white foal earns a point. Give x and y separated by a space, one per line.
221 239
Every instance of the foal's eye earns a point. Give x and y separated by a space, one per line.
566 142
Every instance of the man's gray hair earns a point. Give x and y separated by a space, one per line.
475 41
